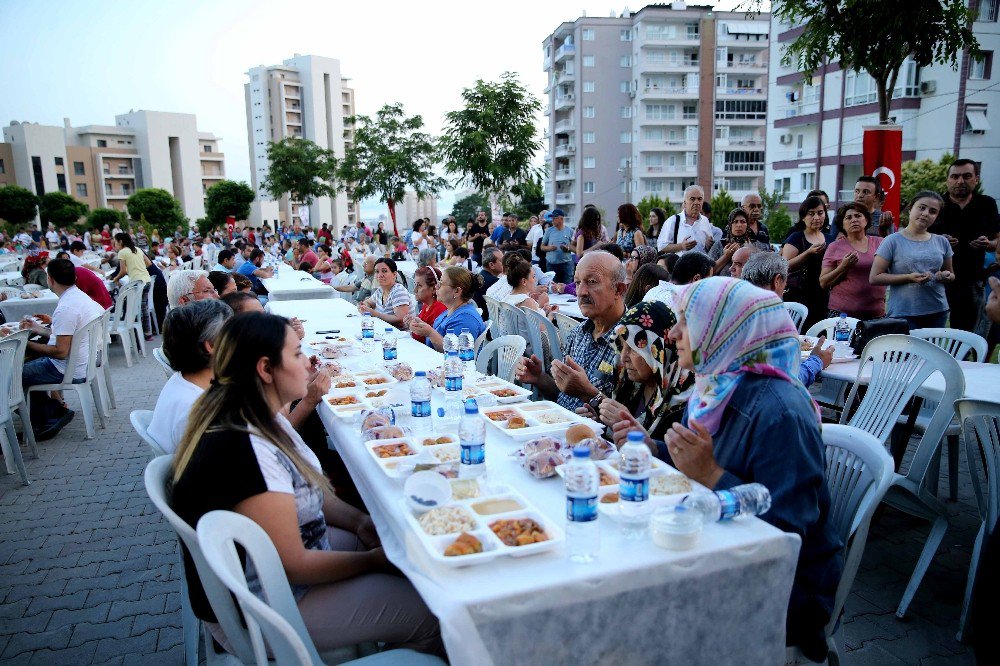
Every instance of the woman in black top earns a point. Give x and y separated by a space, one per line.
804 248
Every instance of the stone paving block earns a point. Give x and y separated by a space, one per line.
867 627
133 609
81 654
25 642
126 647
145 622
88 631
871 655
165 656
69 618
69 601
31 624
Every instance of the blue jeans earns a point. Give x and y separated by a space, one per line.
44 409
936 320
563 272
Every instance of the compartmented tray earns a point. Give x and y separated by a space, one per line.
540 418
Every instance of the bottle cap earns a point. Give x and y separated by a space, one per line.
441 412
388 329
420 373
635 436
581 451
471 407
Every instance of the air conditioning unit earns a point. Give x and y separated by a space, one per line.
928 87
785 139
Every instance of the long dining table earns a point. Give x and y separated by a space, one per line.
722 601
293 285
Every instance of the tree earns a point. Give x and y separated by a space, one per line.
159 208
775 215
490 142
300 169
61 209
225 198
390 155
648 203
18 205
531 199
922 175
98 217
722 205
467 207
875 36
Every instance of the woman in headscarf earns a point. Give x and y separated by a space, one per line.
33 270
736 235
651 375
638 257
750 420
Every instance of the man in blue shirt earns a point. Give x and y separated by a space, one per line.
227 261
252 269
557 243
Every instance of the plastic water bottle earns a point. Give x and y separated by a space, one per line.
466 350
842 331
634 489
420 402
453 371
750 499
583 538
450 343
472 438
367 331
389 345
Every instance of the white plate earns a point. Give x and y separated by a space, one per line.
534 427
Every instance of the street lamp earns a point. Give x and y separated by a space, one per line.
627 171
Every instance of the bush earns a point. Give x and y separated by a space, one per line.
722 205
159 208
101 216
61 209
18 205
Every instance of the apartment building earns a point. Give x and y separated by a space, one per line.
414 207
307 97
650 102
815 127
103 165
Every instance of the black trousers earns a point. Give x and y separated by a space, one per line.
965 302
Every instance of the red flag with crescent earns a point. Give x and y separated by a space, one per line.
883 159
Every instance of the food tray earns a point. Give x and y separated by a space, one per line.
365 377
493 547
478 384
660 470
542 418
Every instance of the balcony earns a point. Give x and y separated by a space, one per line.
567 50
292 92
655 170
668 92
564 127
665 145
564 150
749 142
565 77
565 174
740 65
740 91
565 102
741 167
562 199
669 65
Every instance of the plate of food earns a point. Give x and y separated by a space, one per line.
525 422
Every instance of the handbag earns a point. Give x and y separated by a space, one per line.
866 331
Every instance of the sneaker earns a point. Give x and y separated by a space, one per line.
53 427
149 338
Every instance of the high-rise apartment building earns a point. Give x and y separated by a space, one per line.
307 97
103 165
647 103
414 207
815 127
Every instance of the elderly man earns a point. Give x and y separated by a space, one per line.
589 372
769 270
491 273
362 286
189 286
689 229
739 260
754 207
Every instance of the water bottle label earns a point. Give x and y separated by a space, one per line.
581 509
473 454
420 408
368 333
389 353
467 355
453 383
634 490
729 506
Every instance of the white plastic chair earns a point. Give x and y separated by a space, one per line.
798 313
141 418
15 395
8 438
544 337
481 340
564 324
493 307
830 392
161 358
276 619
32 288
826 326
126 321
858 473
93 331
512 320
508 348
981 429
900 366
104 383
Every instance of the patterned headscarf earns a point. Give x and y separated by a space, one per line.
647 255
33 260
735 328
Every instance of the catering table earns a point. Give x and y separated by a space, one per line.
568 305
723 601
14 309
295 285
11 278
981 379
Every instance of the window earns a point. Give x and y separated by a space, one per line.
589 162
107 188
588 34
782 185
59 161
125 189
120 142
122 170
739 110
36 173
102 143
625 137
626 111
625 61
3 169
61 182
859 88
653 134
692 31
208 149
980 68
625 87
988 10
588 86
660 111
660 31
589 137
588 112
654 185
588 61
81 190
625 35
588 187
78 169
653 160
975 119
744 160
690 112
805 181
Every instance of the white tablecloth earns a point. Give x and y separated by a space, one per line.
12 278
14 309
567 305
722 602
295 285
982 380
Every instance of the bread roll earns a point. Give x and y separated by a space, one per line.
579 432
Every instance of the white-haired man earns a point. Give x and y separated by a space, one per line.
189 286
689 229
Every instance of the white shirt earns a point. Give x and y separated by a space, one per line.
73 310
663 292
77 261
501 289
86 240
52 237
419 240
700 231
534 234
173 407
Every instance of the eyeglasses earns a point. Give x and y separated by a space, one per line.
633 257
202 292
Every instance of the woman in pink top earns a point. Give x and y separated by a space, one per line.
846 266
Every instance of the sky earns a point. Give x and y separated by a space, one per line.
88 60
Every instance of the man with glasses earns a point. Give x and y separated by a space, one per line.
189 286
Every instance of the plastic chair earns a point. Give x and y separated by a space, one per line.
32 288
830 392
798 313
103 376
900 366
826 326
125 321
141 418
493 307
564 324
858 474
8 438
981 428
16 400
481 340
508 348
93 331
162 360
277 618
544 337
512 321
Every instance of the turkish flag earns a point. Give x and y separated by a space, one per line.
230 225
883 159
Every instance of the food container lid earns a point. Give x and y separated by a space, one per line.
676 520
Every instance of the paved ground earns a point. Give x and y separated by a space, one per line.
89 573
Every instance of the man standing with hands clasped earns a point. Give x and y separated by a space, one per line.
969 221
689 229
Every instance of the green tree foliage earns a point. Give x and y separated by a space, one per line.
722 205
530 199
875 36
159 208
98 217
652 201
18 205
776 216
227 197
300 169
61 209
389 156
490 142
467 207
922 175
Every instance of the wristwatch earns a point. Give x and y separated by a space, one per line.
595 402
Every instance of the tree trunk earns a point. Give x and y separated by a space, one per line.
494 206
884 96
392 214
